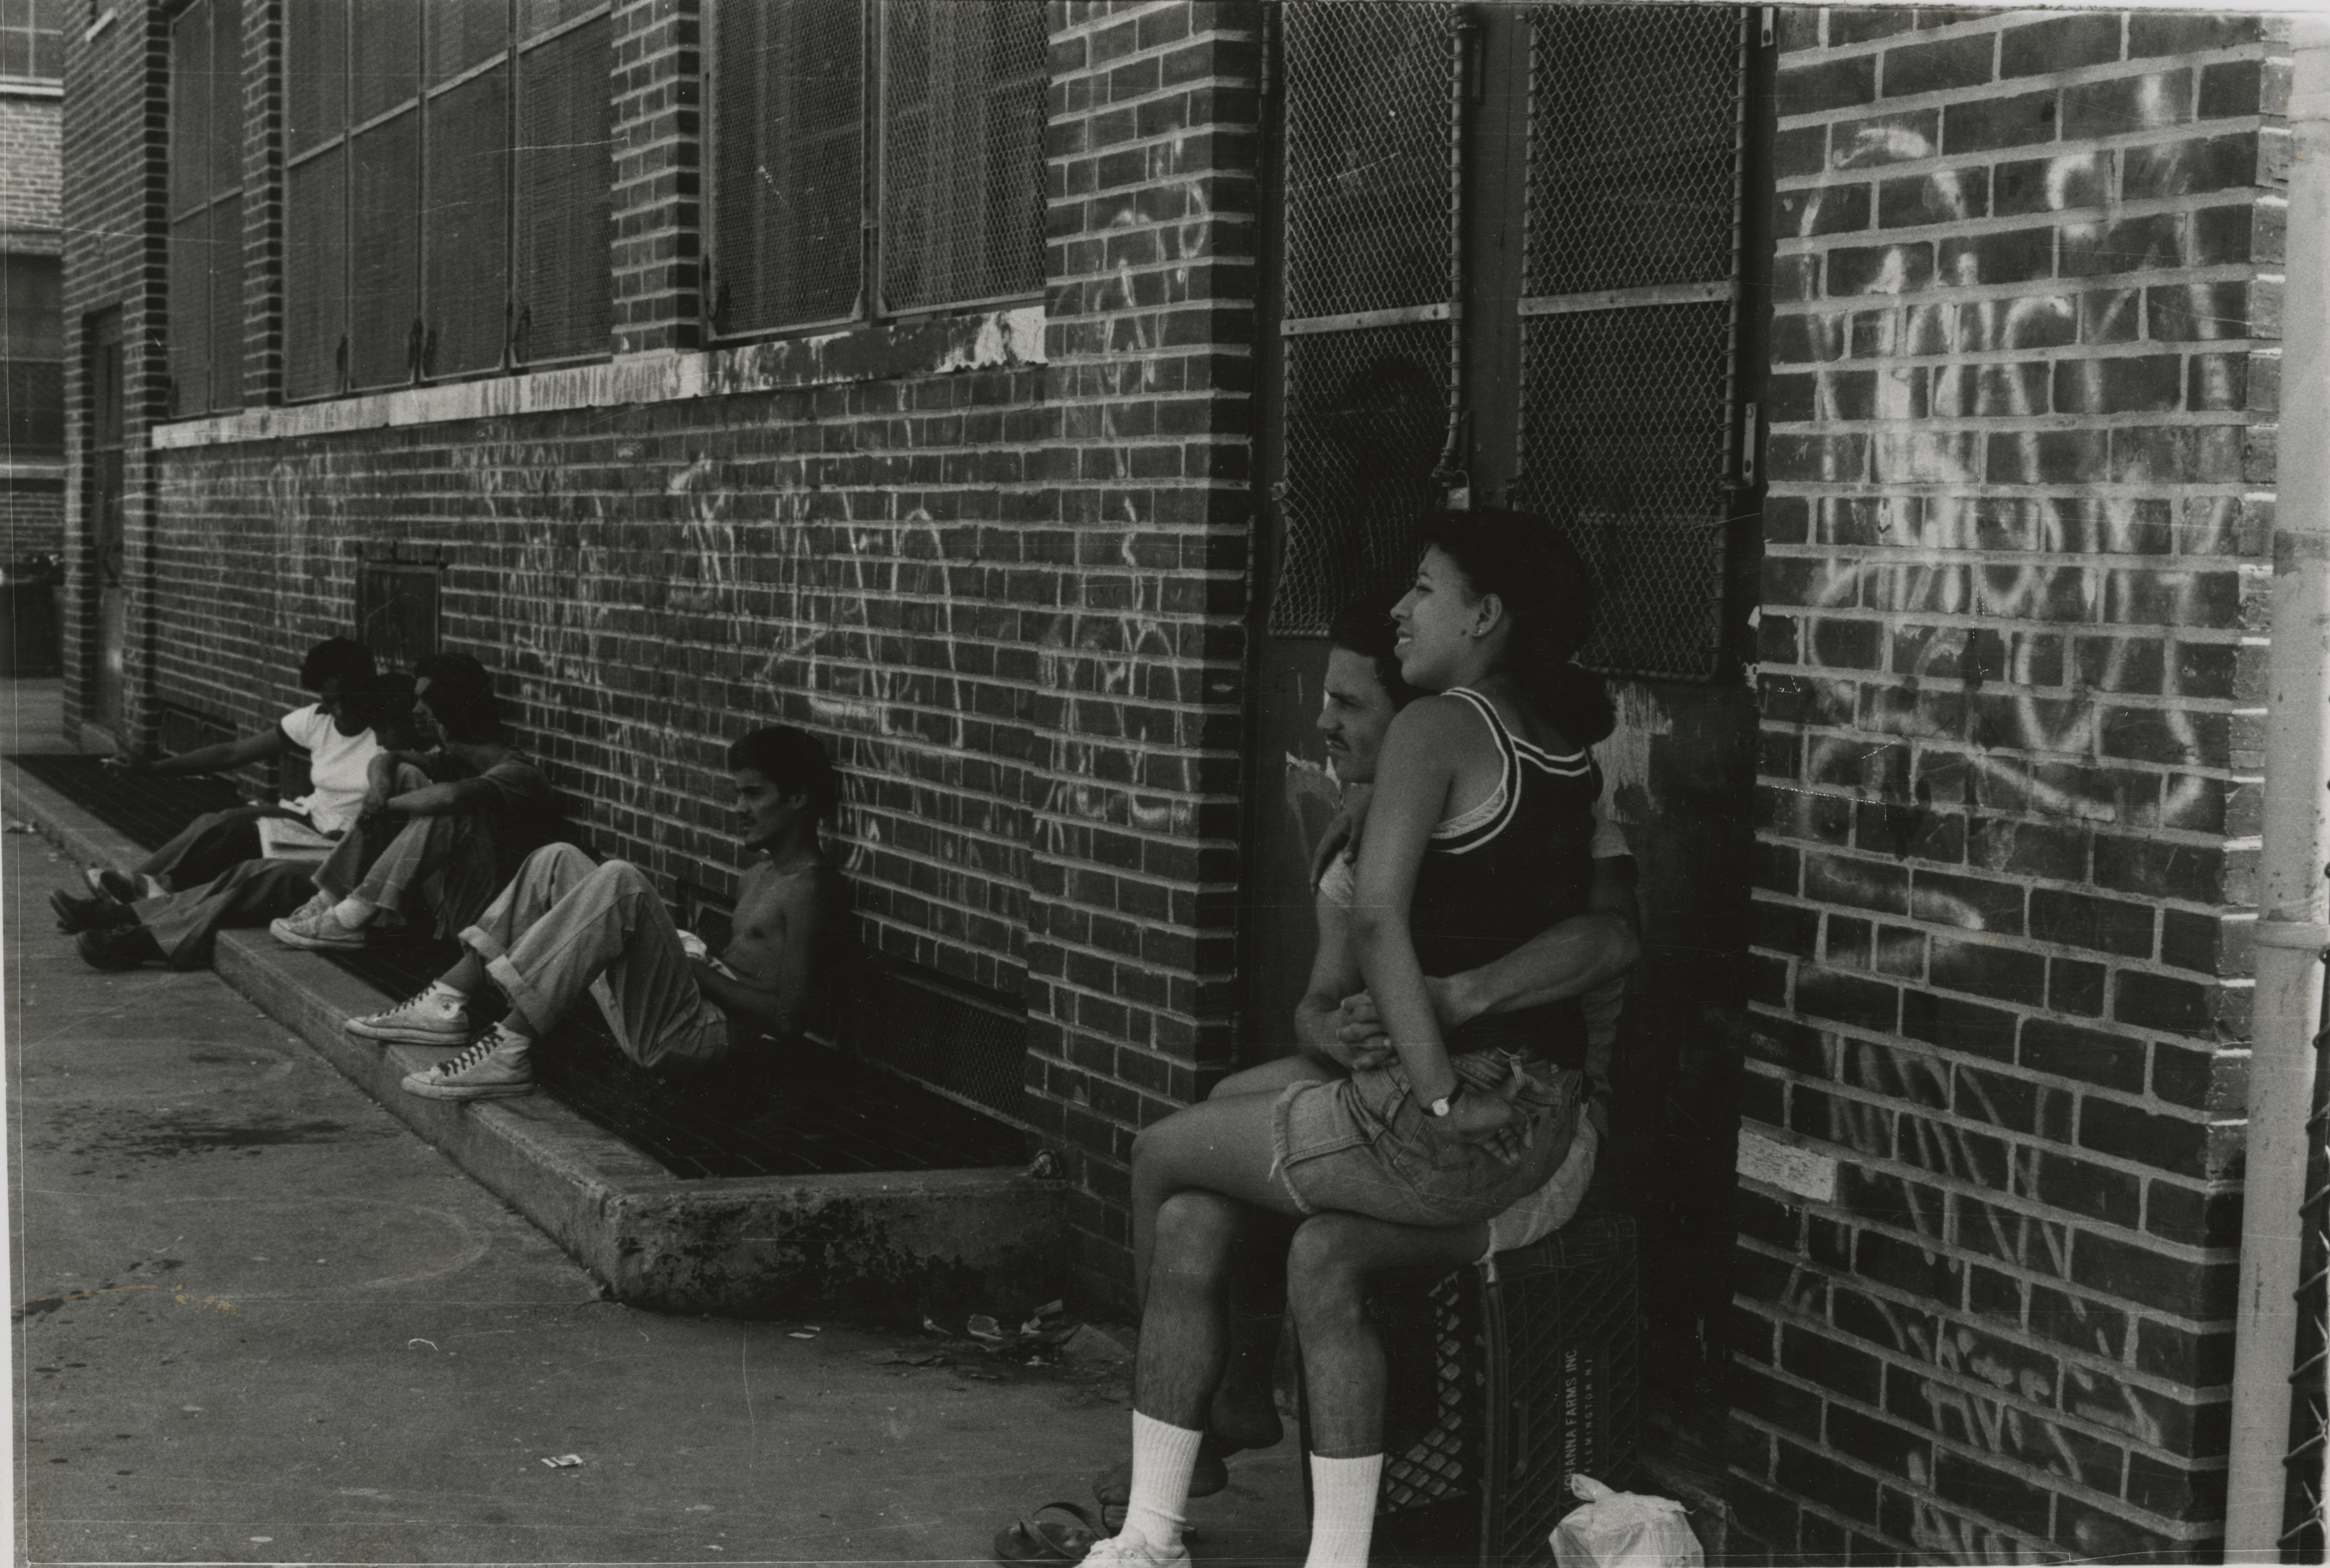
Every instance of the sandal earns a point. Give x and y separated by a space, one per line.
1064 1537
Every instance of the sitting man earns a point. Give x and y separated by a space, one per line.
177 928
565 927
448 826
1202 1385
339 745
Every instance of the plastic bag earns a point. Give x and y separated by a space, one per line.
1623 1530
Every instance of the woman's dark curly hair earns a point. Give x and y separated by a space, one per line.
1548 595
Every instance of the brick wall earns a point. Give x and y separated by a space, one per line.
2020 460
1006 584
1140 712
114 257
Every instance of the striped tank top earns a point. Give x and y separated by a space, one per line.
1499 873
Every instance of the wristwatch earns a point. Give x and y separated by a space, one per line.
1445 1103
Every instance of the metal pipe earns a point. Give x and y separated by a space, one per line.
2292 911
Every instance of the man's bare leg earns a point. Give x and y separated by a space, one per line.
1327 1272
1189 1174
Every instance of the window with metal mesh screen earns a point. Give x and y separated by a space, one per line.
464 228
463 34
1365 415
32 39
32 356
384 251
565 172
205 225
1628 319
1624 444
226 302
315 273
789 140
1633 145
383 57
1369 211
315 73
1369 85
963 111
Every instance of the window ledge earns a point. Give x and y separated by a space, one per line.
31 87
985 340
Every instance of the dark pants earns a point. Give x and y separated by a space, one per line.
248 895
209 844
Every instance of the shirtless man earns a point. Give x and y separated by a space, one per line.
565 927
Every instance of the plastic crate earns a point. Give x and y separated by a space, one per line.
1505 1380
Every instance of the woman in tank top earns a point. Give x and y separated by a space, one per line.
1479 837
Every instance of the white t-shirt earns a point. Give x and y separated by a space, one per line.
338 766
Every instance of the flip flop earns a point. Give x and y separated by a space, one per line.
1064 1538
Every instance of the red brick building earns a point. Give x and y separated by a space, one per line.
1008 393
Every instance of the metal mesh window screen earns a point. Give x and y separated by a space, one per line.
463 33
190 317
225 128
1628 326
464 229
315 274
384 195
1369 91
190 107
226 303
963 111
788 160
1623 443
566 171
315 72
536 17
1633 145
1366 413
383 57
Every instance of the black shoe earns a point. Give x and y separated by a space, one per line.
113 885
87 914
119 948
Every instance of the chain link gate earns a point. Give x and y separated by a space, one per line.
1629 315
1371 222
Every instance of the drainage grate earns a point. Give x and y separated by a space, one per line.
150 810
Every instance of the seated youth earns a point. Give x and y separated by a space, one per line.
565 927
439 831
177 928
338 744
1477 840
1233 1259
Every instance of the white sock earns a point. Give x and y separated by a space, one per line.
1162 1460
445 997
1343 1510
352 912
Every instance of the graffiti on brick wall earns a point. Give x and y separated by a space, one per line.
1107 646
1970 689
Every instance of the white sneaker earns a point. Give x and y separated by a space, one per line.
1126 1550
495 1068
427 1019
314 926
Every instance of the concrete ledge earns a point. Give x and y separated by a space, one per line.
893 1246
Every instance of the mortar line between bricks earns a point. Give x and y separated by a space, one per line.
2008 1266
1990 90
2038 288
1974 1186
1965 1383
2233 197
2072 354
2051 1482
1999 22
1858 1032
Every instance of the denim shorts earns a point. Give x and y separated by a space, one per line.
1361 1145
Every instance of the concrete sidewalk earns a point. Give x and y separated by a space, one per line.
261 1320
